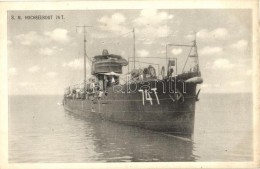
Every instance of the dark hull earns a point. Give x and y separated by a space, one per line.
166 114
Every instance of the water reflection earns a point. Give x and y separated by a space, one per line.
40 133
119 143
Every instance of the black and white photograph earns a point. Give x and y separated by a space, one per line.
131 84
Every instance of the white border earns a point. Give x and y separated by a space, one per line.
79 5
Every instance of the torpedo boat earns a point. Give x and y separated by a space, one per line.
160 100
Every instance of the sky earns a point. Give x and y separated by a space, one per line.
45 56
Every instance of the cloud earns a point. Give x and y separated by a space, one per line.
123 53
75 64
142 53
145 41
51 74
152 17
240 45
58 35
46 51
31 38
219 33
34 69
177 51
153 31
50 51
34 38
12 71
210 50
152 23
222 64
115 23
205 34
191 35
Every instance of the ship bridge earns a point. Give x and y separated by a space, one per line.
107 63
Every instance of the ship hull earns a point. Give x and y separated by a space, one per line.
160 110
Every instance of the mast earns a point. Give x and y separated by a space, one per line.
196 52
134 45
166 66
85 54
195 44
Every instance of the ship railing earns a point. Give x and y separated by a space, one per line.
78 87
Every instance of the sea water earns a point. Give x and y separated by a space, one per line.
40 130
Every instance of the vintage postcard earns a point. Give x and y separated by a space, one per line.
129 84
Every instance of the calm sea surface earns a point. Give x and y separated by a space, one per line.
40 130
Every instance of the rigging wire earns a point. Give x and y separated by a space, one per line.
187 59
89 58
